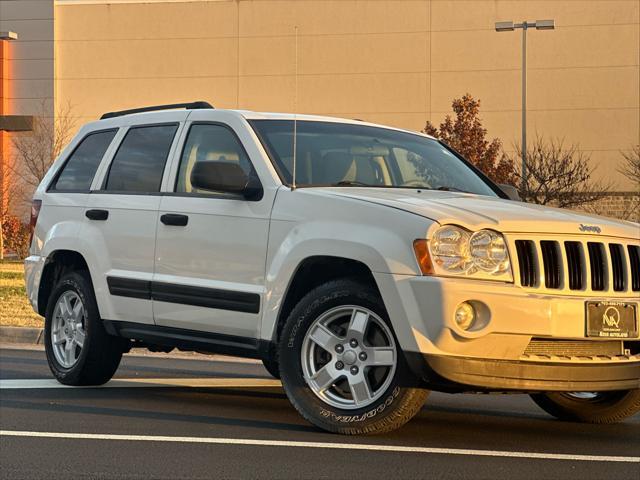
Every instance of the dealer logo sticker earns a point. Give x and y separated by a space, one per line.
611 318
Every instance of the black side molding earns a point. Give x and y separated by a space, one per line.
126 287
183 339
185 294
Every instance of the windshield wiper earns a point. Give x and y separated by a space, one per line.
451 189
351 183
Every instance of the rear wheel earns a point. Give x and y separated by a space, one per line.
79 350
341 365
590 407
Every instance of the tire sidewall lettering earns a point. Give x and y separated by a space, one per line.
329 414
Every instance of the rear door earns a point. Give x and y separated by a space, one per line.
122 216
210 266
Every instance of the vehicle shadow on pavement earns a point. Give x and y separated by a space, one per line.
162 404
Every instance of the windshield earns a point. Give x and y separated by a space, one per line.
342 154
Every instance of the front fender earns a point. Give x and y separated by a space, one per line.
376 236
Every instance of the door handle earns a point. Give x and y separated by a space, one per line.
174 219
97 214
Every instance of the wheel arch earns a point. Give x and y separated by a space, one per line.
312 272
58 263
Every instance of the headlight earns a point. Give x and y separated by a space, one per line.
489 252
457 251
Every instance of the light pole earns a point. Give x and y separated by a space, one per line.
524 26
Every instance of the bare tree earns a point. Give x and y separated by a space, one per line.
558 175
33 153
630 167
36 150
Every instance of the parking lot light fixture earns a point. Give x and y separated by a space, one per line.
524 26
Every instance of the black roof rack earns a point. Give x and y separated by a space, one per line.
188 106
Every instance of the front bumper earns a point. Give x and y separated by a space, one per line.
472 374
508 351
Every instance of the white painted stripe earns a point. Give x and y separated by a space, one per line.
325 445
148 383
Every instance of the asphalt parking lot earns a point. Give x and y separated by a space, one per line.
189 417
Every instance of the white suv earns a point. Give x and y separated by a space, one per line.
388 268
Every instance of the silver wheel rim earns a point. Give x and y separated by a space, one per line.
67 329
349 357
584 395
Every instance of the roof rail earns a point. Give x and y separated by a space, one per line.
188 106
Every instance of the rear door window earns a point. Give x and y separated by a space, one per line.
80 168
139 163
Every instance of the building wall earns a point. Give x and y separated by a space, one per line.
31 57
26 86
398 62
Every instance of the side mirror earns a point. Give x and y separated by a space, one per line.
510 191
225 177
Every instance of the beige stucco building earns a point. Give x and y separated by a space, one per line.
398 62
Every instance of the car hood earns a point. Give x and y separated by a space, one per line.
479 211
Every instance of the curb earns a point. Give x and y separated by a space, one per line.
21 335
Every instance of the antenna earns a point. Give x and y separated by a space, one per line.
295 114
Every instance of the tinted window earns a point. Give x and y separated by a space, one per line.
209 143
139 163
80 168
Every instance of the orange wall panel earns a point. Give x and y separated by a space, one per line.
4 76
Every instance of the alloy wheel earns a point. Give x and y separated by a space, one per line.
349 357
67 329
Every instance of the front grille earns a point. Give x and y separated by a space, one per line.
573 348
617 266
551 262
526 258
634 260
574 264
598 266
591 267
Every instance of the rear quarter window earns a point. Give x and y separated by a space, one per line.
80 168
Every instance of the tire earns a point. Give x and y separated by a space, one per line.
97 358
597 407
347 405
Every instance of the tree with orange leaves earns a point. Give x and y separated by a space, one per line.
468 137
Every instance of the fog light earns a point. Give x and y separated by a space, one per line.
465 315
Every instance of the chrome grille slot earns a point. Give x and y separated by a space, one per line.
573 348
551 263
618 267
574 265
634 260
527 263
597 262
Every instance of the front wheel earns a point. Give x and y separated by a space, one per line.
341 365
590 407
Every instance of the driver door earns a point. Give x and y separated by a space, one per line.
211 246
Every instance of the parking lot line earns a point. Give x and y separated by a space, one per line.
320 445
25 384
